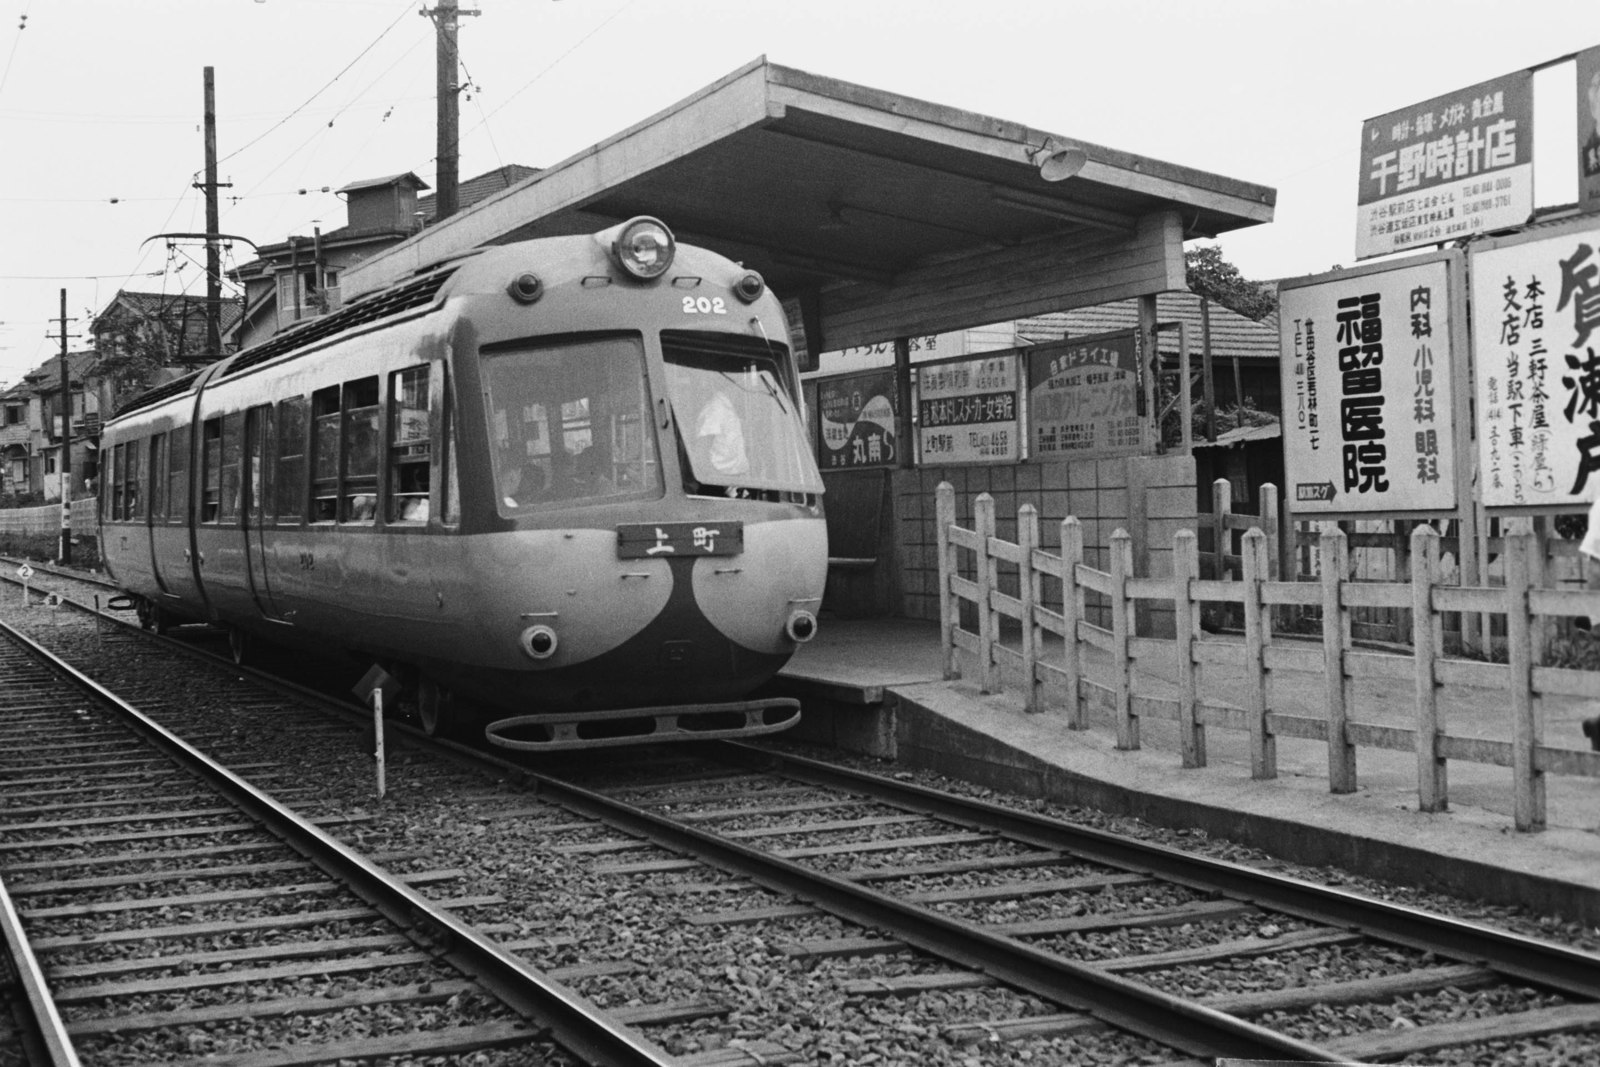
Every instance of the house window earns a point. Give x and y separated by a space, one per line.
14 415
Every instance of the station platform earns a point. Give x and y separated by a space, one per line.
875 687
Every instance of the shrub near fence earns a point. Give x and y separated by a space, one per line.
1522 603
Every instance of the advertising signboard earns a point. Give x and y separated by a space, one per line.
968 410
1083 396
1536 346
858 421
1446 168
1589 129
1368 374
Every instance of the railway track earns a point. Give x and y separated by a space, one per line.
142 873
973 896
991 935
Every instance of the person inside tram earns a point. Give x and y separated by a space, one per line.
524 484
719 433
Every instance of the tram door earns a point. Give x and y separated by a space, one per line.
258 496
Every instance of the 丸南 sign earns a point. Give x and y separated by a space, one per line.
857 420
967 411
1536 341
1083 396
1449 167
1366 372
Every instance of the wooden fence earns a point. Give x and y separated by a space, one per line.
1522 602
47 519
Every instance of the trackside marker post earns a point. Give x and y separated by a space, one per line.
377 730
25 572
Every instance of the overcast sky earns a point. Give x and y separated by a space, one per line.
101 104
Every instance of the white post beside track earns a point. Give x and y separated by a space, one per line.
377 729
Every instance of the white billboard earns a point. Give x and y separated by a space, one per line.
1447 168
1536 343
1367 372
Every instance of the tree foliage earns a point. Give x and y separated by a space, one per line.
1213 277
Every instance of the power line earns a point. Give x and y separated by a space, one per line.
404 11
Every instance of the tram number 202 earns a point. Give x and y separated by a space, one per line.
704 305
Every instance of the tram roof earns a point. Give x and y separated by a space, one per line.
884 214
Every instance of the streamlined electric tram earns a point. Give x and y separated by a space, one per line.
567 479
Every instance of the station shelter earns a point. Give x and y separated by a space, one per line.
886 222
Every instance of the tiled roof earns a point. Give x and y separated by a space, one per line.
1231 333
391 179
472 190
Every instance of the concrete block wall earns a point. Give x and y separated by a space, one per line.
1152 497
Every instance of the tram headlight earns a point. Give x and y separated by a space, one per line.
644 248
750 287
539 642
526 288
801 627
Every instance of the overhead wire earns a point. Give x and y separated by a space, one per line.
16 42
344 70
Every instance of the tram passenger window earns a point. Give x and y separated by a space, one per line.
291 485
360 451
116 484
325 455
178 476
410 445
158 478
133 485
232 451
259 442
211 460
576 413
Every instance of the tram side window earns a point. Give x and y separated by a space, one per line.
116 483
232 449
325 455
178 475
410 445
211 466
360 451
133 487
291 459
158 478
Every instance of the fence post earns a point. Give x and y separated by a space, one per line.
1221 508
1121 637
1257 636
988 573
1270 527
1071 614
1427 639
1334 552
1528 787
1186 627
1028 594
949 609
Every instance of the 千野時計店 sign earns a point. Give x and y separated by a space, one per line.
857 421
967 410
1536 349
1083 396
1447 168
1367 378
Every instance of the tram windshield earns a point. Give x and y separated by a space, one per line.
739 426
569 423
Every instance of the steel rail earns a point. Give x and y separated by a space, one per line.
1117 1001
50 1032
1541 963
567 1018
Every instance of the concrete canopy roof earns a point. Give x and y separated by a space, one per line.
882 213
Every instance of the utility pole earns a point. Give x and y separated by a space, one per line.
66 441
213 250
449 105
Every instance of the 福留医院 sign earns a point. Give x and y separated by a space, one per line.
1536 349
1447 168
967 411
1083 396
1367 402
